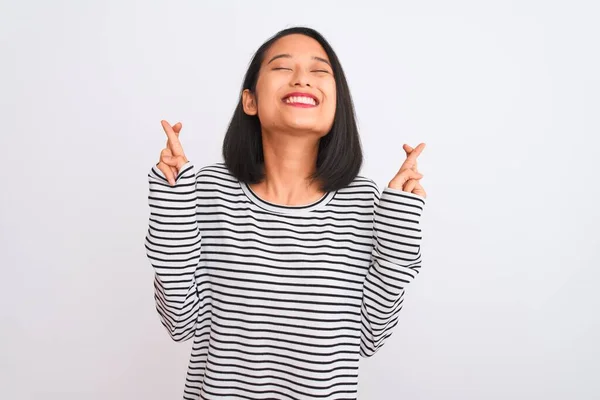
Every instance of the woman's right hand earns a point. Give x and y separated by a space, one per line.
172 157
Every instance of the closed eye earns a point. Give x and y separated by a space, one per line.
321 70
274 69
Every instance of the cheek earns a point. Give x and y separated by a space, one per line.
331 99
268 84
328 89
266 99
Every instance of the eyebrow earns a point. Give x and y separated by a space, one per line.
290 56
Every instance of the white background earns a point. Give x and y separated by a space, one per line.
504 93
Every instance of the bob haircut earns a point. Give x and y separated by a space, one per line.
339 157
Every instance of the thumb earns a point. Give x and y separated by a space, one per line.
407 174
403 176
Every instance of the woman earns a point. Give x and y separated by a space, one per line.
282 263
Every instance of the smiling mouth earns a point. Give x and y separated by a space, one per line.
300 101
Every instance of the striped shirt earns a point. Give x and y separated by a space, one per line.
280 301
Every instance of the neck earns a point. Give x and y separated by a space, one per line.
289 161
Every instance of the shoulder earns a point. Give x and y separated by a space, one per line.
362 183
217 168
216 173
361 188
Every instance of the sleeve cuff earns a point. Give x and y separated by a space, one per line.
396 203
406 196
185 169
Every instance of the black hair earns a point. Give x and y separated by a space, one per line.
340 154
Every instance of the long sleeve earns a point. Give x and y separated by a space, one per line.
173 248
395 262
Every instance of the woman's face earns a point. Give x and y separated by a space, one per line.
295 91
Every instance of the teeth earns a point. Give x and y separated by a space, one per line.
301 99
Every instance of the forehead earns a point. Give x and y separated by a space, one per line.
296 46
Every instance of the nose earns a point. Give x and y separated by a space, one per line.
301 78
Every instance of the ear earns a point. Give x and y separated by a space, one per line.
249 102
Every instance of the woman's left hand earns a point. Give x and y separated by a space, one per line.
407 178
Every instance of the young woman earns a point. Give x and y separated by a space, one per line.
282 263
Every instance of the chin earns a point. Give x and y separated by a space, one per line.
307 125
304 129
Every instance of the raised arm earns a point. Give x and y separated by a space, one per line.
396 257
173 238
